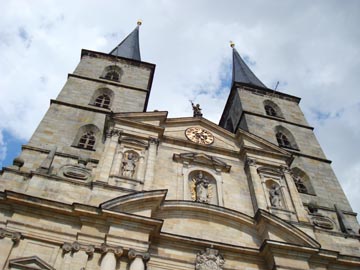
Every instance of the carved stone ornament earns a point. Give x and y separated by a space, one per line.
76 172
322 222
199 135
118 251
132 254
15 236
209 260
113 132
76 246
251 162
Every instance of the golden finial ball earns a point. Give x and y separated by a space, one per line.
139 22
232 44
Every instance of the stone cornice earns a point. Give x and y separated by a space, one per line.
61 154
273 118
105 81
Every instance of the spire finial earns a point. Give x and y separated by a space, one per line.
232 44
139 22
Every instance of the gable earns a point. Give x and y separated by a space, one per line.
27 263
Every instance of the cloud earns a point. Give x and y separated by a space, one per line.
311 48
3 149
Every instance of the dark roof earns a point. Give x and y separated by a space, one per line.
242 73
129 47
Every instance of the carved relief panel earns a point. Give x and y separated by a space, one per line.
210 259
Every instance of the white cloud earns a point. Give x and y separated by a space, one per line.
310 47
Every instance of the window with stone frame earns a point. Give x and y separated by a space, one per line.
112 73
302 181
270 110
87 141
283 140
102 101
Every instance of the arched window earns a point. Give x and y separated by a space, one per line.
103 101
302 181
285 138
282 140
112 73
103 98
272 109
87 137
87 141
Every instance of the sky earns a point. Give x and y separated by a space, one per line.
311 47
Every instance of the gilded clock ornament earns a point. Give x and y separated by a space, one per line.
199 135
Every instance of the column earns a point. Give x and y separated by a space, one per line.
138 259
81 254
141 170
149 175
298 205
67 248
116 166
8 240
106 161
258 196
110 255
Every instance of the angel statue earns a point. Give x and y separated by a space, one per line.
201 188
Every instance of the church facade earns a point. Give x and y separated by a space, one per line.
105 184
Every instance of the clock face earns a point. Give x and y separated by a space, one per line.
199 135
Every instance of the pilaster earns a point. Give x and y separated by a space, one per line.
298 205
8 239
138 259
259 200
149 174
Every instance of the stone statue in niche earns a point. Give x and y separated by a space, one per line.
129 164
201 188
209 260
275 195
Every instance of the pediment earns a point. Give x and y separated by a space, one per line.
27 263
202 160
175 129
139 203
213 223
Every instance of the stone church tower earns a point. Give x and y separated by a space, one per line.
105 184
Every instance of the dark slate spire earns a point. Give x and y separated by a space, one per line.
241 72
129 47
